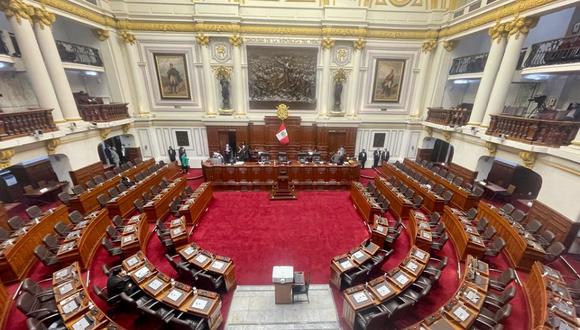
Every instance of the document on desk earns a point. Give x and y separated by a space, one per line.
360 297
461 313
174 295
199 303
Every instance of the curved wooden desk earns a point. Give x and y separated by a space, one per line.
420 231
207 261
521 248
158 207
194 206
462 198
400 205
5 305
463 308
135 233
17 254
549 299
465 237
184 298
74 303
350 262
82 243
364 202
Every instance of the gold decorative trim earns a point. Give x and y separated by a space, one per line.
5 156
104 133
528 158
282 111
491 148
521 26
126 128
101 34
128 37
221 71
202 39
429 131
449 45
327 43
563 168
43 17
51 145
340 75
17 9
497 31
429 45
447 136
359 44
236 40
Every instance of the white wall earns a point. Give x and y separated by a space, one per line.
551 26
401 142
95 86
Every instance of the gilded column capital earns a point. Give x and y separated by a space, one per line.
429 131
51 145
126 128
43 17
5 157
128 37
447 136
236 40
429 45
340 75
104 133
327 43
101 34
521 26
202 39
528 158
449 45
359 44
497 32
17 9
491 148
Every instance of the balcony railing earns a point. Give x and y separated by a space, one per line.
468 64
103 112
558 51
533 131
27 122
448 117
78 54
8 44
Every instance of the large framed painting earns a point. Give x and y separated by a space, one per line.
172 76
388 80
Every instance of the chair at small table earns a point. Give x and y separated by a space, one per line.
301 289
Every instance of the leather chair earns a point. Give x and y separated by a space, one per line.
482 224
471 214
500 282
447 196
409 193
32 287
34 324
208 282
118 222
438 189
113 234
62 229
174 207
435 266
554 251
497 301
166 242
490 319
155 190
76 217
102 293
467 186
146 196
478 191
90 184
51 242
32 307
357 277
113 251
163 230
417 201
488 234
301 289
533 226
64 197
111 270
183 323
16 223
189 190
109 174
545 238
396 226
99 179
458 181
103 199
375 320
507 209
163 184
438 245
518 216
121 187
117 170
78 189
494 247
4 234
46 257
450 177
438 230
113 192
414 294
138 203
434 219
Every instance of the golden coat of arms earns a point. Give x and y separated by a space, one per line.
282 111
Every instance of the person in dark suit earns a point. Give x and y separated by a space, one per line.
362 158
385 156
172 154
376 157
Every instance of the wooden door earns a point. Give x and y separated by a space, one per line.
335 141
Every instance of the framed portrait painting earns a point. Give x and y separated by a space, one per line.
172 76
388 80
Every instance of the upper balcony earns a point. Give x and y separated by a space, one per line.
468 64
452 117
26 122
558 55
81 57
92 109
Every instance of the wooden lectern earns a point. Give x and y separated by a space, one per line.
282 188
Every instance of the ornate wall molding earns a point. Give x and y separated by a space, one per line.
128 37
447 136
342 55
125 128
104 133
101 34
449 45
327 43
51 145
491 148
528 158
222 71
236 40
43 17
429 45
497 32
17 9
5 157
202 39
521 26
359 44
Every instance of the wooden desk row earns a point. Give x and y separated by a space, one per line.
462 198
135 234
399 204
204 260
379 231
194 206
184 298
74 302
463 308
350 262
521 248
87 201
431 201
84 240
364 202
261 177
158 207
385 287
551 306
466 239
123 204
17 253
420 230
5 304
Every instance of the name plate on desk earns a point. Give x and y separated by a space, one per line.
360 297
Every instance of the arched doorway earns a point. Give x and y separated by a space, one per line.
118 150
435 150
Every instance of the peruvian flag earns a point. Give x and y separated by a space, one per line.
282 134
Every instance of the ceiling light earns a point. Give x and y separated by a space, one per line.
91 73
537 76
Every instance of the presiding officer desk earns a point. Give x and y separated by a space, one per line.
252 175
87 201
17 253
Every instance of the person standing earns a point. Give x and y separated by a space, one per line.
376 157
172 154
184 163
181 152
228 153
385 156
114 156
362 158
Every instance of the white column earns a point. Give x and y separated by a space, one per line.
327 45
418 104
42 28
494 58
238 82
438 74
208 77
35 68
359 46
141 105
518 30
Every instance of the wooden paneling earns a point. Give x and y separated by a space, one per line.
501 174
31 173
83 174
467 174
3 217
564 228
133 153
424 154
5 304
302 138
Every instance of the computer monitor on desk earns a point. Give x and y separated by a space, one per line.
316 157
282 157
302 157
263 157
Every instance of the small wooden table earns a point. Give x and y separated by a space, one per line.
283 279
